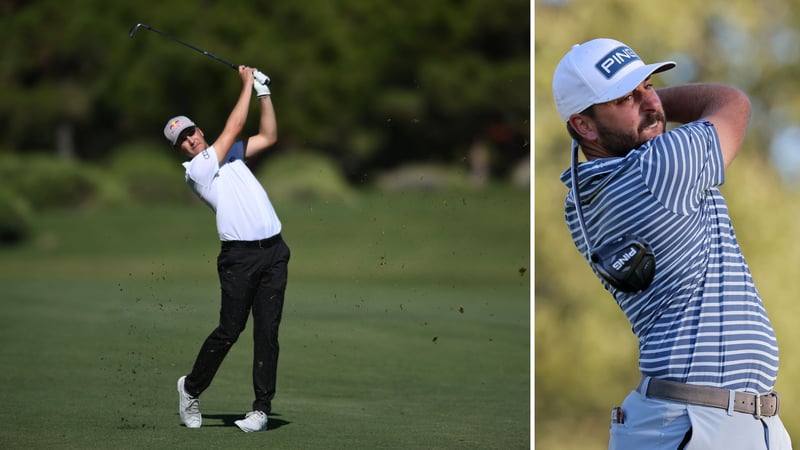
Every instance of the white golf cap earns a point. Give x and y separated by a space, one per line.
598 71
174 127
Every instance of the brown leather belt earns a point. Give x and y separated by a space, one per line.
761 405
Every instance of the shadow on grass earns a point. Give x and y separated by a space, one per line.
229 419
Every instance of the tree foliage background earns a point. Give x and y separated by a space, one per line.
585 353
371 83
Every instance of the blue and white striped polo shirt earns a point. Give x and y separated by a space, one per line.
702 320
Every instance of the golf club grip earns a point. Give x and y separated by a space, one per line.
261 77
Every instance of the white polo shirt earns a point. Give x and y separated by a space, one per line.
242 207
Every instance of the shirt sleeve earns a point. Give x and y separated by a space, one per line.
682 164
203 167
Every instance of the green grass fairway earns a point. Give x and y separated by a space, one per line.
406 325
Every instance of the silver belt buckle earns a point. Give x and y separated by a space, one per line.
758 414
758 406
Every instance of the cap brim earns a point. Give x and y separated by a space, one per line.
628 83
182 134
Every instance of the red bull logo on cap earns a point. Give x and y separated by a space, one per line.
615 60
174 124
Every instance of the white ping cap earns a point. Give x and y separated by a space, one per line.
598 71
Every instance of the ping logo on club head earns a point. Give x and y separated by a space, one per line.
615 60
619 262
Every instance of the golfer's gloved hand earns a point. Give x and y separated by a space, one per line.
261 89
261 77
261 83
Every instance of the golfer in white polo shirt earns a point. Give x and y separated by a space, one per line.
253 260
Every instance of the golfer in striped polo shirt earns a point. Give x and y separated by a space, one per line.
707 351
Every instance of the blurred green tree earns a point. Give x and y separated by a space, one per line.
371 83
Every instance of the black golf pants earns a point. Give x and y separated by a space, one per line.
253 277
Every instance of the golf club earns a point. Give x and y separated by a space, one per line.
262 78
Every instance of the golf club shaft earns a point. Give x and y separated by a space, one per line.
262 78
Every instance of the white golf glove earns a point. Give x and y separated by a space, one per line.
260 84
261 89
261 77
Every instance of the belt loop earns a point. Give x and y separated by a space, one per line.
643 384
731 401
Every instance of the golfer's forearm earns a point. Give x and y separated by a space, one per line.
268 126
687 103
233 126
238 115
727 108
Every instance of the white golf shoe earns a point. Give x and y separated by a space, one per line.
188 407
253 421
